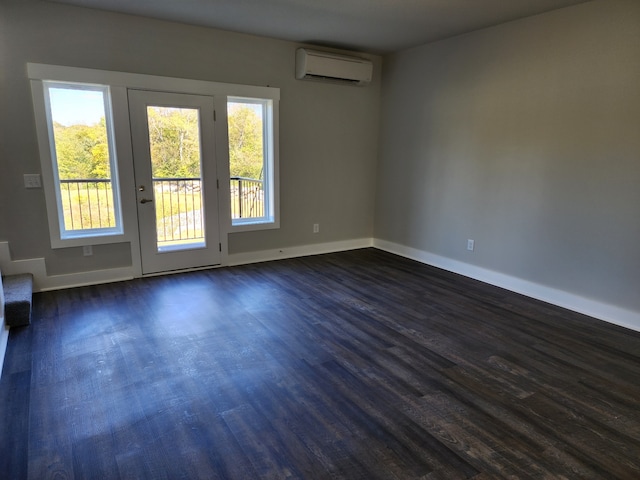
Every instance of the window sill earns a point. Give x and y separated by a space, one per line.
253 225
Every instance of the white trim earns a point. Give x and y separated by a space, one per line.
128 190
272 175
82 279
58 239
298 251
38 71
43 282
61 236
602 311
269 168
34 266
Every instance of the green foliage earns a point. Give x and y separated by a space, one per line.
174 140
245 142
82 151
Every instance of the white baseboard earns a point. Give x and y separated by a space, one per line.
43 282
82 279
602 311
35 266
299 251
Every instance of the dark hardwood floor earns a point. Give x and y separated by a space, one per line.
355 365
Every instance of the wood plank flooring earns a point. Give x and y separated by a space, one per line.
354 365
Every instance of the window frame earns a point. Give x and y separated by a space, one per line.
63 233
269 217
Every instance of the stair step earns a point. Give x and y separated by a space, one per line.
18 294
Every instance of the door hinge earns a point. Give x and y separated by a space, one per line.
214 116
218 183
220 247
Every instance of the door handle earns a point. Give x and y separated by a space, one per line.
146 200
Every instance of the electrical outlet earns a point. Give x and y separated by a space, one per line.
32 180
316 228
87 250
471 245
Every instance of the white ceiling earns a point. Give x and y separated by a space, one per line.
376 26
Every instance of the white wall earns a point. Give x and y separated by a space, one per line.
526 138
328 143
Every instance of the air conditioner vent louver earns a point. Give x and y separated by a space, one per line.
314 64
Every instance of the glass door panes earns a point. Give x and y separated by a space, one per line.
176 165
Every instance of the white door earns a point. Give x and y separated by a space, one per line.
175 173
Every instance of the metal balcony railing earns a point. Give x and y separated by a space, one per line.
88 204
247 198
179 218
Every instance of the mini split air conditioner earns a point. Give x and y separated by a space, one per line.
313 64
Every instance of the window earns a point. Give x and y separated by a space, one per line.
82 154
251 160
